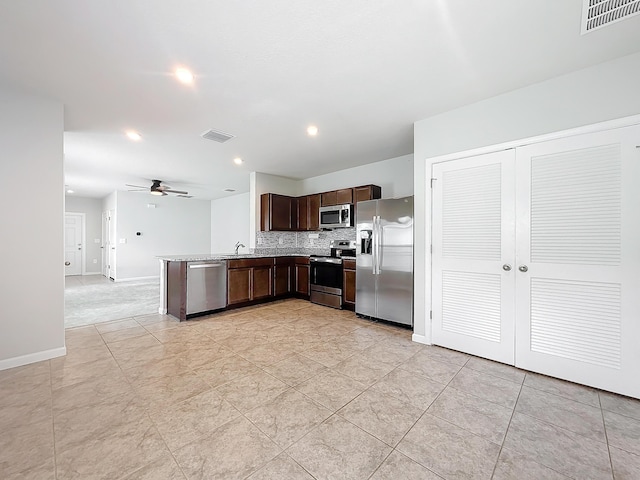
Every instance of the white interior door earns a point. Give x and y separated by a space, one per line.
105 244
473 255
111 250
73 244
578 238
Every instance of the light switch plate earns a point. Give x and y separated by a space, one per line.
123 240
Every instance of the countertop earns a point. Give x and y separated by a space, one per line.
201 257
225 256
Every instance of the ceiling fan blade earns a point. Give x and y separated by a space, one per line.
179 192
136 186
138 190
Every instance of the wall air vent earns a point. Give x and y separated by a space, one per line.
217 136
600 13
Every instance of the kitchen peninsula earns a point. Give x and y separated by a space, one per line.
240 280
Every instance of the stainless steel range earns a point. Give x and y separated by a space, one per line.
326 274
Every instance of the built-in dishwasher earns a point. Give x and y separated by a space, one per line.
206 286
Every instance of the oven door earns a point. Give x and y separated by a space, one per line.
326 275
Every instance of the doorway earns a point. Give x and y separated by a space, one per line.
108 245
73 244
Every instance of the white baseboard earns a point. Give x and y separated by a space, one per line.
32 358
92 273
133 279
420 339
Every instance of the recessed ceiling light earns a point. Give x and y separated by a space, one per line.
312 130
133 135
184 75
69 191
237 161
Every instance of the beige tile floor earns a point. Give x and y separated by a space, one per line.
292 390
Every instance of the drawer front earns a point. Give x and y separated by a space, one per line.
302 260
349 264
251 262
284 260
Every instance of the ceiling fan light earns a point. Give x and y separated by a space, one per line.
156 192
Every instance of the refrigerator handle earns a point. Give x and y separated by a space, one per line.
378 245
373 245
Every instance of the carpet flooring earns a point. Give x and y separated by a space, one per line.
93 299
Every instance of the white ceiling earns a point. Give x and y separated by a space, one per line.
361 70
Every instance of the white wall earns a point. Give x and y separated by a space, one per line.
394 175
596 94
110 202
230 223
92 208
175 226
32 242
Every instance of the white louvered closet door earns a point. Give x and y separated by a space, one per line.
578 214
474 233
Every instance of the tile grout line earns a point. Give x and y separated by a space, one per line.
513 412
606 436
546 423
422 415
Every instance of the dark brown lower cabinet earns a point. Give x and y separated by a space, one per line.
261 283
302 277
249 280
239 285
349 285
283 275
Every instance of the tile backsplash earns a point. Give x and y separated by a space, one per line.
267 242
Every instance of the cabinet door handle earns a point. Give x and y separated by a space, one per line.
506 267
523 268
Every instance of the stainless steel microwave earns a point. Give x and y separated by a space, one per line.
337 216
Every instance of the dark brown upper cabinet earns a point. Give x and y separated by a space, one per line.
314 211
278 212
344 196
366 192
284 213
329 198
308 212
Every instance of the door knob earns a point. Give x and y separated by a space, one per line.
506 267
66 264
523 268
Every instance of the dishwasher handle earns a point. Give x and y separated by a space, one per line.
207 265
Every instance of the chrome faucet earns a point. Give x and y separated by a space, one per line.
238 245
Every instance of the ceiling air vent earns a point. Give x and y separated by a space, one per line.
229 190
600 13
217 136
185 196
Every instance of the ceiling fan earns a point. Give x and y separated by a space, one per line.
157 188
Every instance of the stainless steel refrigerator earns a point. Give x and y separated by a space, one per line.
384 259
